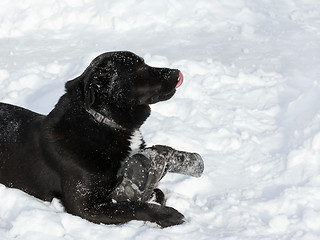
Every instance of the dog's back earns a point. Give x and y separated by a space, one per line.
21 164
13 124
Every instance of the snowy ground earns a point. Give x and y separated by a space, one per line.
249 105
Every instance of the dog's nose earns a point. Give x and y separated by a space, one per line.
180 80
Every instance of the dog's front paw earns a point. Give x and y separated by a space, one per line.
168 216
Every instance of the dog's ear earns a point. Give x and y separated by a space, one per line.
97 82
98 78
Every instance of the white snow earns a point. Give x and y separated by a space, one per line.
249 105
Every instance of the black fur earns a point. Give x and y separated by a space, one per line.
73 156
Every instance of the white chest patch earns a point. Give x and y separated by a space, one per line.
135 141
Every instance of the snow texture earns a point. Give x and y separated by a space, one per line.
249 105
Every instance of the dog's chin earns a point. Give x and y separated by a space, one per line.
160 98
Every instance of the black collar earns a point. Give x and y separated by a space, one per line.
103 119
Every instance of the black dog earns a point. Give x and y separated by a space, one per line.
76 153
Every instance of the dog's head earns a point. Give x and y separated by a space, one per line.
124 78
118 81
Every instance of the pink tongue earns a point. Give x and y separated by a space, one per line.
180 80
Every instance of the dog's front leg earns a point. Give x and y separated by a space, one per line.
88 202
118 213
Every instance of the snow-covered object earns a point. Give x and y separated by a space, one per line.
142 171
